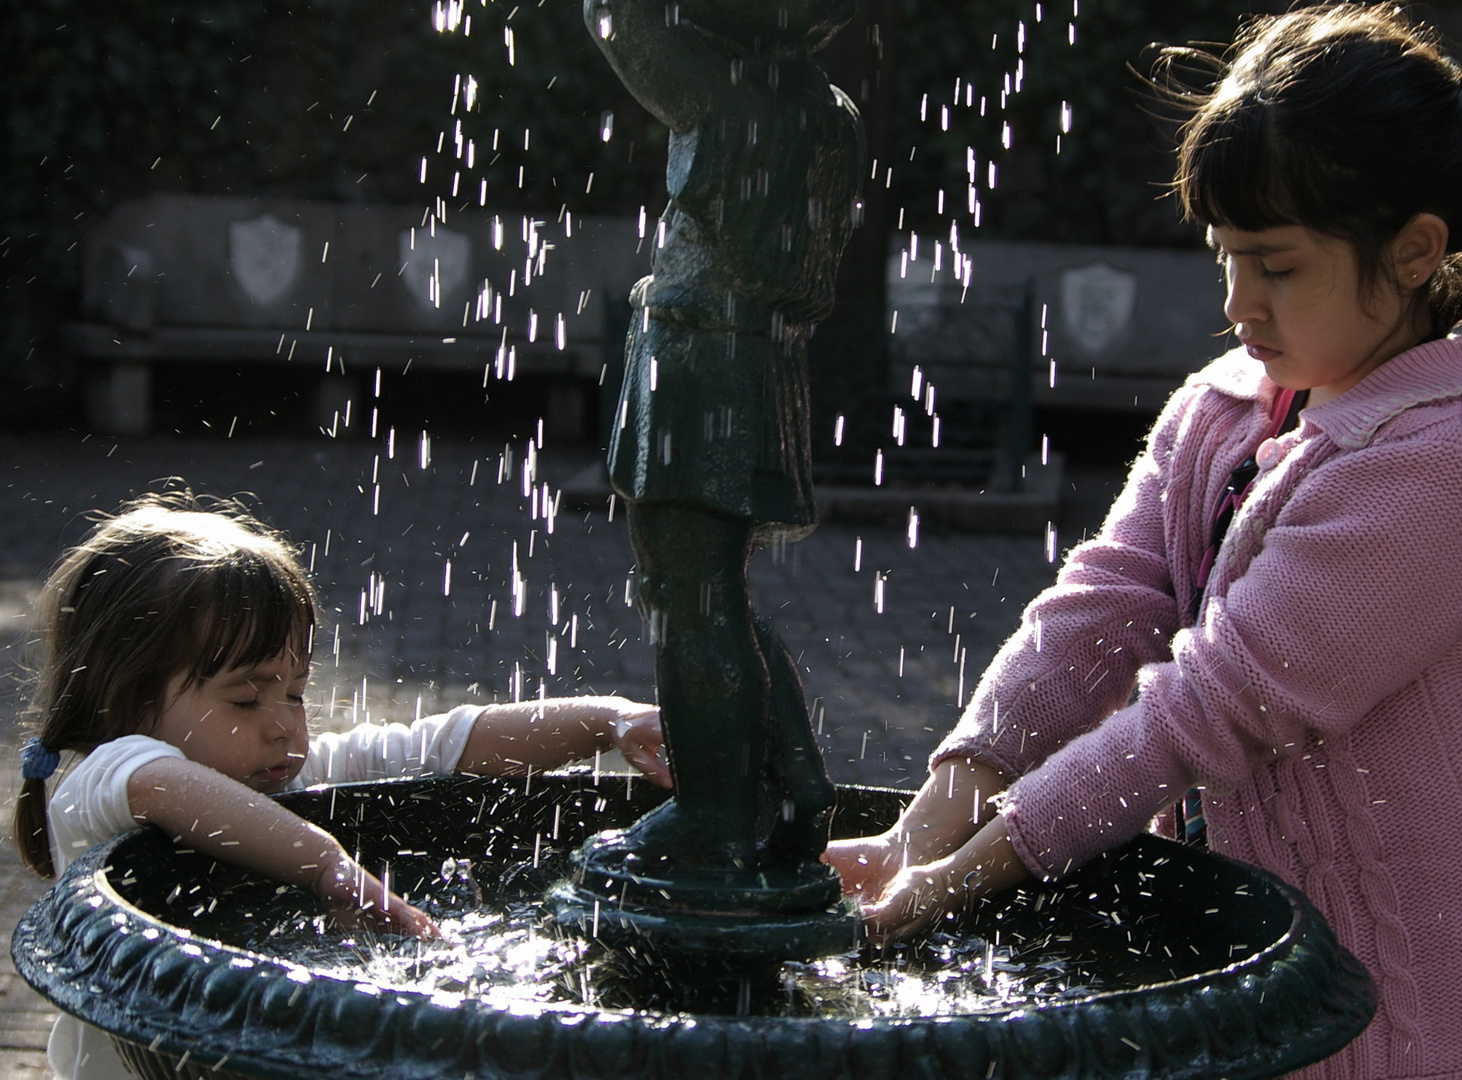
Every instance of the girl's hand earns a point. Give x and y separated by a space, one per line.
635 729
867 863
949 809
916 897
358 898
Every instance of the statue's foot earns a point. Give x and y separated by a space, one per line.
672 839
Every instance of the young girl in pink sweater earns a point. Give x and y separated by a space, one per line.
1292 627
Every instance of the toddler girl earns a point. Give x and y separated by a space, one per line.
1281 578
176 651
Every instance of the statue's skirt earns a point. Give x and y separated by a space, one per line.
716 420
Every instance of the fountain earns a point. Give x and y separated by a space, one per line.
1157 960
600 930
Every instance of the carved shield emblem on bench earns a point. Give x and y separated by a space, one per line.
1096 304
264 256
433 266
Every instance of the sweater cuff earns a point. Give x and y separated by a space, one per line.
973 750
1095 794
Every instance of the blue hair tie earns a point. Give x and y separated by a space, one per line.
36 762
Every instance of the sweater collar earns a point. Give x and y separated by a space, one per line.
1429 372
1236 375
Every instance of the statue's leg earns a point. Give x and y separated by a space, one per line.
711 680
805 795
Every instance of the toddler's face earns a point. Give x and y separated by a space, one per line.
246 722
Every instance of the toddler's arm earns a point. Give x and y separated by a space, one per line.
948 810
211 813
509 739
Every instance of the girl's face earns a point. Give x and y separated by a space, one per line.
247 722
1295 299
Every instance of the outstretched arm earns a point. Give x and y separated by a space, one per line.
211 813
509 739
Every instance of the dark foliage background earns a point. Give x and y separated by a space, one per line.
332 99
342 99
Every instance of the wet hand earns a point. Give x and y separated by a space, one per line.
915 898
918 896
635 729
867 863
356 898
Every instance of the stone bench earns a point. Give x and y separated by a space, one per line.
352 287
344 288
1124 326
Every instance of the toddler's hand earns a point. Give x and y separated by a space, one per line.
357 898
635 729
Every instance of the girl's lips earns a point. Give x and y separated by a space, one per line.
1260 353
277 775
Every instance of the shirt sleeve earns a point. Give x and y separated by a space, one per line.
90 805
1352 596
431 746
1076 654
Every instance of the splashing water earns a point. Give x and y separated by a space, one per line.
509 958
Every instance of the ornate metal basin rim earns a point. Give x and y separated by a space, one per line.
1258 985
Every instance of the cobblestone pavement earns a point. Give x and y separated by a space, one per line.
443 582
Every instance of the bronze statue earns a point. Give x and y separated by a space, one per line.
711 446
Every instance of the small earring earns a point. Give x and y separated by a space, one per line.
1413 275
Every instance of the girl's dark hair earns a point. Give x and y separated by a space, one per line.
1343 118
169 585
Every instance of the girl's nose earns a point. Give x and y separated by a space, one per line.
1244 303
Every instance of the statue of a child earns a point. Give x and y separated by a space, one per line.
711 446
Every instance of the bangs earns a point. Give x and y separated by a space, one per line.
1250 165
243 610
1233 171
250 611
1315 124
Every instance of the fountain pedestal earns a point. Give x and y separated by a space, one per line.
705 917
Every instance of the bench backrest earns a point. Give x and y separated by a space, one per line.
287 264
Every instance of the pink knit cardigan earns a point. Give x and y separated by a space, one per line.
1318 699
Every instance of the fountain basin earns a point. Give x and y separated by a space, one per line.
1205 967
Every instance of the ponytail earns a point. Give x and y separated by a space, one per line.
32 827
